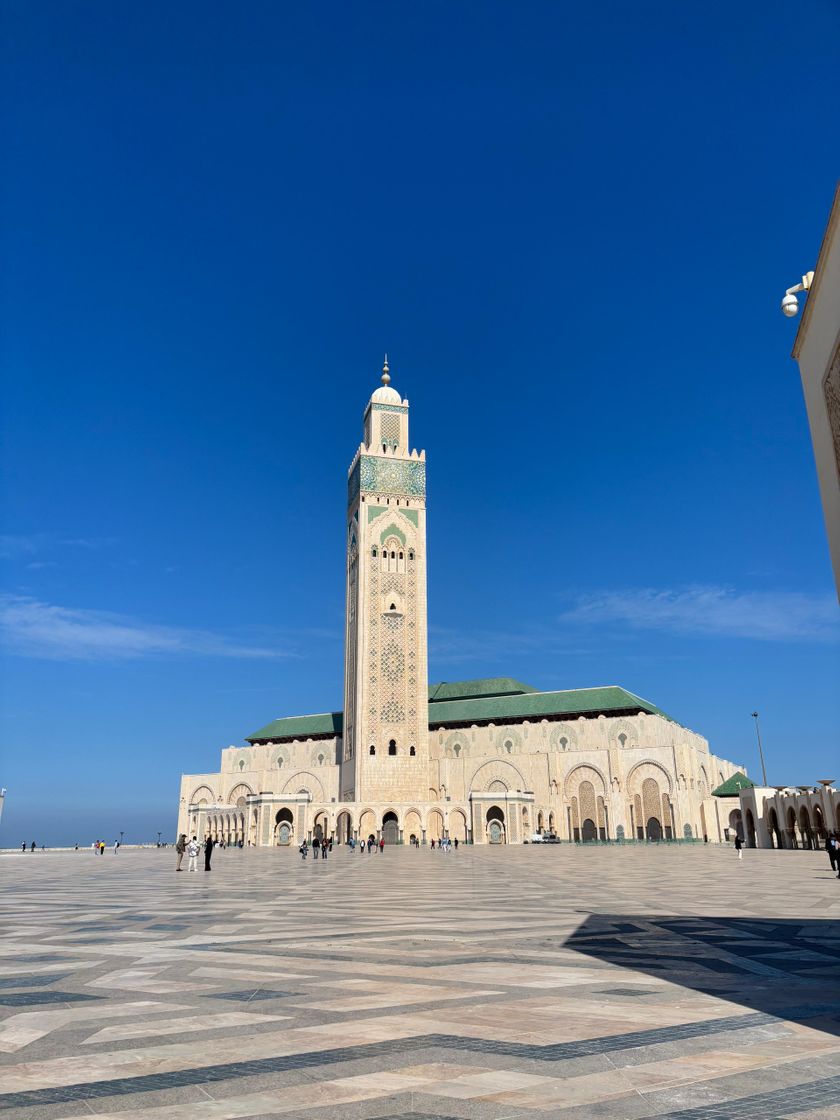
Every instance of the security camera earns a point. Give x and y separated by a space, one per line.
790 305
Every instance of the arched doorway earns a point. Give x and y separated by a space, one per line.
588 830
793 842
458 826
652 807
321 827
343 827
805 828
495 825
435 828
736 824
540 821
412 827
390 828
819 825
283 822
750 830
367 825
774 830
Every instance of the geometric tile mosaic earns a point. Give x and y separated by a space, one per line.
490 984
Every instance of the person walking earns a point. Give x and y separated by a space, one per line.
208 852
304 850
324 849
33 845
180 848
456 843
739 843
831 848
381 845
193 848
116 846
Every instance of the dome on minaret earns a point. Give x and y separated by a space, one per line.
385 394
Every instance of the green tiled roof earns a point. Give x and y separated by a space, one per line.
610 700
473 690
731 786
300 727
496 700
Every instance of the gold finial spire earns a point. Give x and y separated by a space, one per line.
386 376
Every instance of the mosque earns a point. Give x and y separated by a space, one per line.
484 761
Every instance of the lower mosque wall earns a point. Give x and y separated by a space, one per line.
586 779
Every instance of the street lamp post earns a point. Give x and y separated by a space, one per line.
122 833
760 751
158 839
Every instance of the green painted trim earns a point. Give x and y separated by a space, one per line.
412 516
374 511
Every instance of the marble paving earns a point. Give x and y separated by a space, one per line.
494 983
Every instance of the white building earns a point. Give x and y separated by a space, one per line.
487 761
817 349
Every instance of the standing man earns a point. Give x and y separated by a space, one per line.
208 851
193 848
180 848
739 843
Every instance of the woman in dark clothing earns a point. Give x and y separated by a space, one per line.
208 851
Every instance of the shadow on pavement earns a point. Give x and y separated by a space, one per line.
788 968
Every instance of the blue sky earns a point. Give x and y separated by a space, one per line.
570 226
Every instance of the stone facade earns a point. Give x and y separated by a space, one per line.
481 761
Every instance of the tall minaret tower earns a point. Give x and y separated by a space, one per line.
386 722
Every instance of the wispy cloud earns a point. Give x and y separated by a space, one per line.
706 611
31 628
16 546
483 647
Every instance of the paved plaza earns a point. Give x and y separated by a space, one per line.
597 982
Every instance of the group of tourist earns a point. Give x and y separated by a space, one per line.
192 849
445 845
319 844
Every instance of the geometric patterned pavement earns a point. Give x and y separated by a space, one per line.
495 983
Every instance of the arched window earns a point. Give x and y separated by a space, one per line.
393 555
279 763
564 743
412 751
411 554
508 746
392 747
242 764
622 739
372 749
375 551
320 760
401 556
392 607
456 750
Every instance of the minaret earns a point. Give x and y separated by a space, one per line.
385 753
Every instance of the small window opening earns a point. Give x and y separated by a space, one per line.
412 751
372 749
401 556
411 554
393 607
457 749
622 739
392 747
393 556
